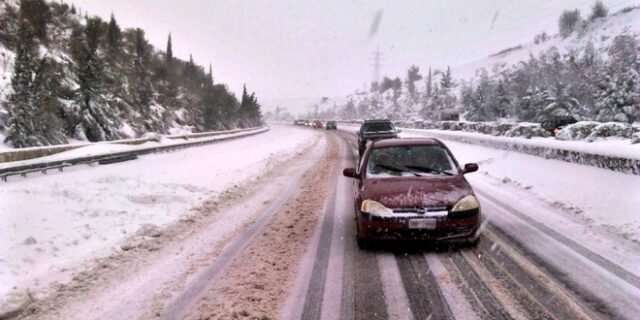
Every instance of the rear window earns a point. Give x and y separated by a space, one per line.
377 127
410 160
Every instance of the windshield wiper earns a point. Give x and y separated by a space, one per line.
396 169
429 170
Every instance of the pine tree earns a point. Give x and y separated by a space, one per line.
114 35
20 125
560 104
38 15
429 88
169 53
210 75
98 120
141 84
618 94
413 75
598 11
568 22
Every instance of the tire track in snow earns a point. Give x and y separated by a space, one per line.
395 294
425 298
492 306
498 261
578 248
596 305
314 297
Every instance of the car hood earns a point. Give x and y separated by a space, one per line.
408 192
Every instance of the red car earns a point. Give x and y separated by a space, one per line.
414 189
317 124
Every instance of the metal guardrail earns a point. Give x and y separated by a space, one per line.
43 167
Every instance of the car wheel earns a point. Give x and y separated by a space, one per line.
475 241
363 243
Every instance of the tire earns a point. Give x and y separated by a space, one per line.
363 244
474 242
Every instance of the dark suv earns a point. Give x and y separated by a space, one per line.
331 125
375 130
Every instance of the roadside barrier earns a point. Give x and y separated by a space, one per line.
59 165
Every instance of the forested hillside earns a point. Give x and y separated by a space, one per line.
590 70
66 76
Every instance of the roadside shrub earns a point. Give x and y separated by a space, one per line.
444 125
635 138
527 130
484 127
499 129
577 131
455 126
611 129
469 126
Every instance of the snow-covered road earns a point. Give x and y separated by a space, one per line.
51 224
538 248
548 249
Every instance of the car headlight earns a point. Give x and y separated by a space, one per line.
467 203
375 208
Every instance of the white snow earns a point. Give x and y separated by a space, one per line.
610 147
600 34
85 212
106 147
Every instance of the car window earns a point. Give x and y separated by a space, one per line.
378 126
410 160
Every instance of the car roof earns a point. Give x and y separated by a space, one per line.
377 120
406 142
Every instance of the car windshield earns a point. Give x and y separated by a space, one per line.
377 127
416 160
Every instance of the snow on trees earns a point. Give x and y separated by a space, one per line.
79 76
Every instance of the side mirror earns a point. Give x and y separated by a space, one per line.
349 173
470 167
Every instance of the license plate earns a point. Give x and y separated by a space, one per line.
422 224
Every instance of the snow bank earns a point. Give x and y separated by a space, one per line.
606 201
616 155
613 154
52 223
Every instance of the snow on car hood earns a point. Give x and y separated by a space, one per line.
407 192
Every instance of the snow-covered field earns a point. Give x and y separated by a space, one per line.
51 224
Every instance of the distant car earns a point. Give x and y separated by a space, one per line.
555 123
318 124
374 130
413 189
331 125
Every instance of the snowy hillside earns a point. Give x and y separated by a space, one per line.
600 32
591 72
66 76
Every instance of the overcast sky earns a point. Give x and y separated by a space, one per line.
301 49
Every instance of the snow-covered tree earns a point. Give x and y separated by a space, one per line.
598 11
618 94
568 22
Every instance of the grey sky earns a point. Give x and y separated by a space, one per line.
292 49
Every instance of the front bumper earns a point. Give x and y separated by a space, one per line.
455 226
